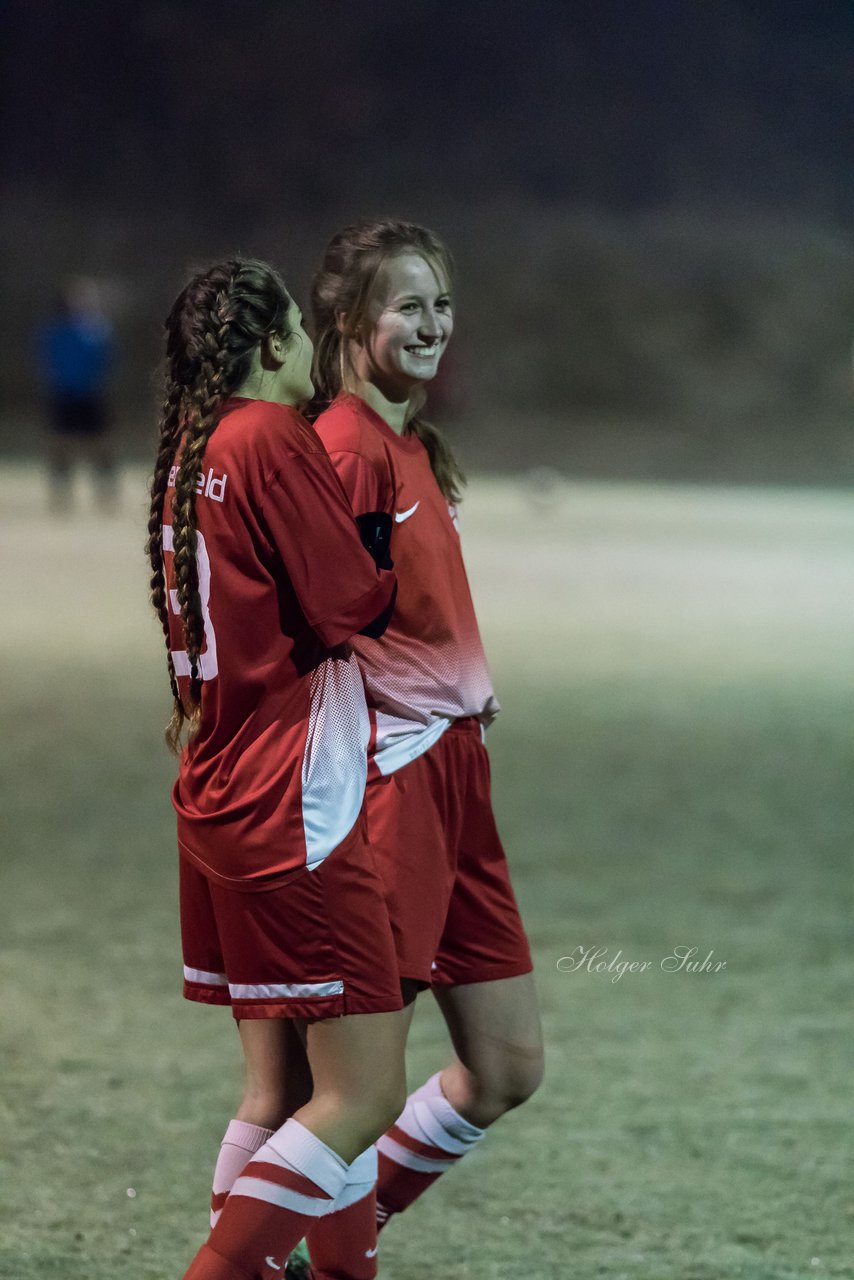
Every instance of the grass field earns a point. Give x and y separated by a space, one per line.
672 768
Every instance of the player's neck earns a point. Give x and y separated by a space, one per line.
394 412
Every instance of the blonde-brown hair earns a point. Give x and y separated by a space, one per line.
211 332
344 285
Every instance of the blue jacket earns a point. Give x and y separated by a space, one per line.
75 355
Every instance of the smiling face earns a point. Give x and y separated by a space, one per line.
410 319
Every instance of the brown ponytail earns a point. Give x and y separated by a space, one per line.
343 286
215 324
450 476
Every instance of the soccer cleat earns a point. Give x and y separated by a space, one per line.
298 1265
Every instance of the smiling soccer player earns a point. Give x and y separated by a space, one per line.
383 310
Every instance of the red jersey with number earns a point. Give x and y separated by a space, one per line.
275 778
429 668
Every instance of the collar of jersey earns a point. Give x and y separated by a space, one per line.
237 402
411 444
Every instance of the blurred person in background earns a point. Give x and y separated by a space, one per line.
76 350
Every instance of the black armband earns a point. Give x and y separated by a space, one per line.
375 532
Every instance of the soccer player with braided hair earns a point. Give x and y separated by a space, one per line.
383 313
260 578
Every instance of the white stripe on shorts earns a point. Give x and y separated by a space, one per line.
259 1189
284 990
205 979
409 1160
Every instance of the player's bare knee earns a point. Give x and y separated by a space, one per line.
372 1124
510 1082
525 1080
383 1110
266 1107
366 1114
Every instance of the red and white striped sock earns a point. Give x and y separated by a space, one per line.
241 1141
343 1243
428 1138
289 1183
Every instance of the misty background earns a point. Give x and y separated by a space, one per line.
650 206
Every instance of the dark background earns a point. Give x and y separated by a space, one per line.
650 204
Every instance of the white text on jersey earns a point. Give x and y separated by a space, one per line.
207 486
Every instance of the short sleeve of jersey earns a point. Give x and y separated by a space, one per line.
365 486
335 580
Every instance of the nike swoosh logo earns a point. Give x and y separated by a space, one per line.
400 516
271 1262
372 1253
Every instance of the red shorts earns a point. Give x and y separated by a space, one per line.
437 849
317 947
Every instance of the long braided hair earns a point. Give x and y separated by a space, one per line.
344 284
214 326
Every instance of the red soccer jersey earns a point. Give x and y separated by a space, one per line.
275 778
429 667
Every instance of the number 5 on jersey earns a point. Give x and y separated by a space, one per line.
207 660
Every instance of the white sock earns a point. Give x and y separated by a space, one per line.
240 1143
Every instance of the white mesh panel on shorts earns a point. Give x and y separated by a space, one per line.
335 766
